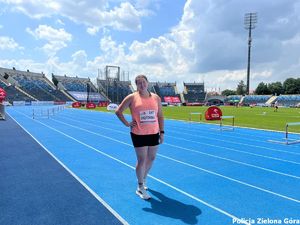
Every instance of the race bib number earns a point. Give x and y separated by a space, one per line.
147 116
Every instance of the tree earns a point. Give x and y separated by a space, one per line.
228 92
291 86
262 89
241 88
276 88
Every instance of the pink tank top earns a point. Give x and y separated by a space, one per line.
144 111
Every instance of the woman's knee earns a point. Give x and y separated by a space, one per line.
151 158
152 153
141 161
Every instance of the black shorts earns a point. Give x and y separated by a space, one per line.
144 140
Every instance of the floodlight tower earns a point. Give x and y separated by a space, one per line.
249 21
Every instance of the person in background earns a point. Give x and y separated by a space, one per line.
276 106
146 129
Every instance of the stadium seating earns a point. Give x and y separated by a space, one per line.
166 91
114 89
34 85
232 99
81 89
29 86
288 100
12 94
255 99
194 92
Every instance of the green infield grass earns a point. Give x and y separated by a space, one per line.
256 117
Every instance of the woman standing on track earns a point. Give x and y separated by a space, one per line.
147 128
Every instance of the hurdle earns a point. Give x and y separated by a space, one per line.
46 113
227 127
195 113
40 113
288 141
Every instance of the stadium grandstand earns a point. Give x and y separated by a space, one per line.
116 86
213 98
152 88
167 91
194 93
264 100
233 99
255 99
113 85
288 100
13 93
80 89
29 86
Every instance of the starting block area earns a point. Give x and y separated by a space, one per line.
191 114
288 140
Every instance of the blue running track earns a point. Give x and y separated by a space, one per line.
78 165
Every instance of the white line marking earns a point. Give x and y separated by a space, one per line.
196 151
240 143
235 161
157 179
190 165
234 150
110 209
256 146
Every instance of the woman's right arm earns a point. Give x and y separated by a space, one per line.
122 107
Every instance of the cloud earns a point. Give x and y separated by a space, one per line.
56 38
50 34
60 22
7 43
208 44
36 9
92 13
150 52
112 52
24 64
92 30
126 17
80 58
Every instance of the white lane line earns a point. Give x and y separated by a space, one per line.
235 161
107 206
230 149
195 151
157 179
187 164
235 150
234 142
187 122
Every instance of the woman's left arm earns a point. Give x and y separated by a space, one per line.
160 121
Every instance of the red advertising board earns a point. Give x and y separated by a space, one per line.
76 104
2 94
90 105
213 113
172 99
103 104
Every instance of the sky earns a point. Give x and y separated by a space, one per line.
167 40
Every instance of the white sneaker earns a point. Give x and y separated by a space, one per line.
142 193
145 185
